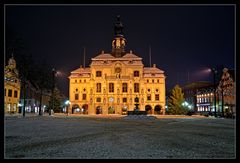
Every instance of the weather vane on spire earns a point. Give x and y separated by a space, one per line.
118 29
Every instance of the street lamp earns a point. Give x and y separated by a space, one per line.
53 86
214 71
67 103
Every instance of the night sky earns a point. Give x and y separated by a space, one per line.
184 39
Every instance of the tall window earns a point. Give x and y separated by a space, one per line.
76 96
98 99
111 87
136 73
136 87
99 87
98 73
152 80
157 97
148 97
9 93
84 96
124 87
124 99
15 94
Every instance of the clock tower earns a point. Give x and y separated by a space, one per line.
119 42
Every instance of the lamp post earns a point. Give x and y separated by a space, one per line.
214 71
67 103
53 86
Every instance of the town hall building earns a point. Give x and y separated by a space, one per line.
114 79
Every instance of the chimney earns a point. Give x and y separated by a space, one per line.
154 65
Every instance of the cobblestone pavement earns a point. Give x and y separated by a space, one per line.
100 137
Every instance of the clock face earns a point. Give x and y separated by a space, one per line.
111 99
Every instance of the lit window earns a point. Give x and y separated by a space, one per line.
157 97
111 87
9 93
136 74
98 73
98 87
136 87
148 97
124 87
84 96
76 96
15 94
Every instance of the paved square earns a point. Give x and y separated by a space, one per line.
61 136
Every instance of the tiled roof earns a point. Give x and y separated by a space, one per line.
152 70
104 56
130 55
81 70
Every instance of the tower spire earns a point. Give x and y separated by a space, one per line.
119 42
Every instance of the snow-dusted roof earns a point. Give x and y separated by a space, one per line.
104 56
131 56
150 70
82 70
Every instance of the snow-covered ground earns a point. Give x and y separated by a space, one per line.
60 136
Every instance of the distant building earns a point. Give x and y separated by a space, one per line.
194 91
32 99
114 80
227 92
11 87
201 94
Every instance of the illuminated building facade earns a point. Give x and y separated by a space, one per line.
11 87
226 91
114 79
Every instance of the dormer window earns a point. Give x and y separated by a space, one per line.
136 74
98 73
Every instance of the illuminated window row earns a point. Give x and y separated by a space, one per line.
152 80
149 97
80 81
10 93
84 96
